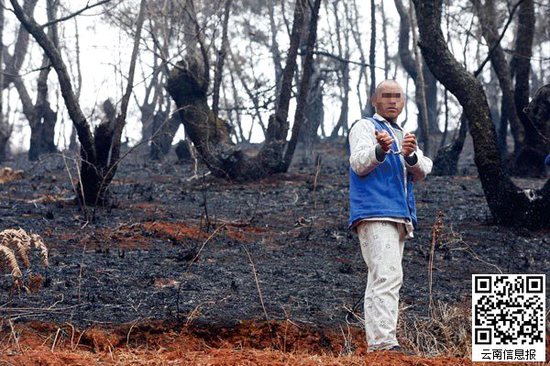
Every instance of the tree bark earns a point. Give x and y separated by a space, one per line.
529 161
487 16
304 90
314 115
508 204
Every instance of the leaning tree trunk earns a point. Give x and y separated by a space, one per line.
188 86
508 204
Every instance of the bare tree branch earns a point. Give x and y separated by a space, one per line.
492 50
342 59
76 13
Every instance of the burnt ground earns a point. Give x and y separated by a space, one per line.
169 248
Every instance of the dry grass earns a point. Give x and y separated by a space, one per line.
447 332
7 174
17 243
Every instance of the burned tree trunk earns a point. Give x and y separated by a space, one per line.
529 161
188 85
538 112
5 133
43 134
314 116
508 204
165 126
41 117
5 130
44 118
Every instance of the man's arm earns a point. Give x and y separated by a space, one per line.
365 153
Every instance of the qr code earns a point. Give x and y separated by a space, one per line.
508 317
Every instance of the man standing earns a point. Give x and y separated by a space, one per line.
384 161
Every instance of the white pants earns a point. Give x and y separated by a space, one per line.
382 248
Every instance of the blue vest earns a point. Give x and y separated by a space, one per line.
381 193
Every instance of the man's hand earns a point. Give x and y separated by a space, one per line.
384 140
409 144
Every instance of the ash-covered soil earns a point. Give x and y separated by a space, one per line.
211 252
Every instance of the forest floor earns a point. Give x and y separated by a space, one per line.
180 271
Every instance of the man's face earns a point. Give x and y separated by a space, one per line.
389 101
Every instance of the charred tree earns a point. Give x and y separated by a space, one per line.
529 161
150 102
538 112
314 115
100 154
5 130
165 126
10 74
188 86
409 64
508 204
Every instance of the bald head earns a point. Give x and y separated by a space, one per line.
387 84
388 99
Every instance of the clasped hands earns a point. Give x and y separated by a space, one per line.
408 146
